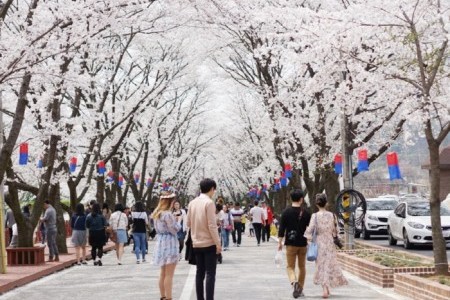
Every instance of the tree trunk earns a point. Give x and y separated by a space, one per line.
16 126
24 227
100 195
115 183
332 188
72 194
109 196
439 245
144 171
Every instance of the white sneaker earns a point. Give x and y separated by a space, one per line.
138 261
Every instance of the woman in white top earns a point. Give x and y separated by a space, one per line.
119 223
226 225
179 213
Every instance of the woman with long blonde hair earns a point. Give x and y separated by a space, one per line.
166 249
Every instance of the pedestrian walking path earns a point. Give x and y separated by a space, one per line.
248 272
21 275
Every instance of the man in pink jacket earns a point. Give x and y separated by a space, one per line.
201 219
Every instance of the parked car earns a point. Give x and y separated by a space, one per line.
411 223
446 202
376 218
393 197
411 197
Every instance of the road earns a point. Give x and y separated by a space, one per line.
247 272
381 240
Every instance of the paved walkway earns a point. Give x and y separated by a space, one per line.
247 272
21 275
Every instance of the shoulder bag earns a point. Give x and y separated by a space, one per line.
113 233
229 226
311 254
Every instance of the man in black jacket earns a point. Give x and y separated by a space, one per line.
293 223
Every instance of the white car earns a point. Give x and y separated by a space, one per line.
393 197
411 197
411 223
376 218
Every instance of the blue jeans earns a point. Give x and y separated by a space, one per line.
140 245
51 242
225 238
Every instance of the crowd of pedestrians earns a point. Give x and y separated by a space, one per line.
205 227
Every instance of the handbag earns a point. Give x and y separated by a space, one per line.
113 233
190 255
311 253
336 239
229 226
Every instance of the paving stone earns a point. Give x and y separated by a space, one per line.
247 272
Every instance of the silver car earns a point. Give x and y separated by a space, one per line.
376 218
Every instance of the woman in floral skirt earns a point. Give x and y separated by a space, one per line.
166 253
328 272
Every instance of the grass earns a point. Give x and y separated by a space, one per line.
394 259
445 280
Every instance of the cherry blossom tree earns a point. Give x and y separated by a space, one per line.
415 37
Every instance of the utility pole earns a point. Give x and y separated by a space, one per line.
3 257
349 228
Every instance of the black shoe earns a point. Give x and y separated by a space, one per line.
296 292
100 263
95 263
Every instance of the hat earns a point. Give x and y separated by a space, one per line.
168 196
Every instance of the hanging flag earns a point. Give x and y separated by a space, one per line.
277 185
101 167
394 169
288 170
137 176
120 183
338 164
110 176
264 188
73 164
363 162
40 164
254 192
283 180
23 154
149 182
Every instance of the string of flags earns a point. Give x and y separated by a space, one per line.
363 163
101 170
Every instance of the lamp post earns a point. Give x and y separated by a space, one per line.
3 257
349 229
